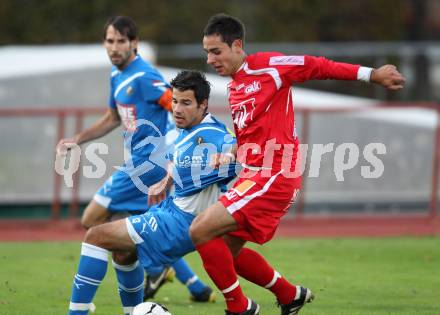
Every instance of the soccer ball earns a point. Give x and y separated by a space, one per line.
150 308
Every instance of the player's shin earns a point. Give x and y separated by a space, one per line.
218 263
130 285
91 270
253 267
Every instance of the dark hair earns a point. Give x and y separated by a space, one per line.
124 25
195 81
228 27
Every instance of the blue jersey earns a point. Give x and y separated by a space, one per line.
137 93
192 151
140 95
161 235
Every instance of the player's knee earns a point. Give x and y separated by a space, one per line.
193 233
86 223
94 215
93 236
124 258
196 233
100 236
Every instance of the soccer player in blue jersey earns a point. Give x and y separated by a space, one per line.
160 236
139 100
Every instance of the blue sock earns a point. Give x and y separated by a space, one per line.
131 285
91 270
188 277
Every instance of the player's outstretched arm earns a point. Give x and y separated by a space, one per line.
109 121
389 77
64 145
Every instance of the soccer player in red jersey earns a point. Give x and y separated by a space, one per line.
261 102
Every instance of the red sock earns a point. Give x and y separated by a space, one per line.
254 268
219 264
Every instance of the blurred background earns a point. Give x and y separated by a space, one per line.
54 82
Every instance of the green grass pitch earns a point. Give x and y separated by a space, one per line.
349 277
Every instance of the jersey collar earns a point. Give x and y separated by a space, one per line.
208 119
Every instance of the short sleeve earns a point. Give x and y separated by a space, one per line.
156 91
151 89
111 97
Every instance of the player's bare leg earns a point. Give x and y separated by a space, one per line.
124 257
112 236
235 244
129 272
214 221
94 214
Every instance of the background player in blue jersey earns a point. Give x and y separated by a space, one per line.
139 100
161 235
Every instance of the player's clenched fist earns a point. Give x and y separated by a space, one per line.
219 159
64 145
158 191
389 77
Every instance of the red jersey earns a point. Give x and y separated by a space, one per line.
261 102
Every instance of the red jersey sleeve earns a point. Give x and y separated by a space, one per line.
304 68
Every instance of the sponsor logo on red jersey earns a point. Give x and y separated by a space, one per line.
238 88
242 113
286 61
252 88
231 194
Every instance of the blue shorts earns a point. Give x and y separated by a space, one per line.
121 192
161 235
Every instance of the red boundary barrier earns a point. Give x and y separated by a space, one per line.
305 227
